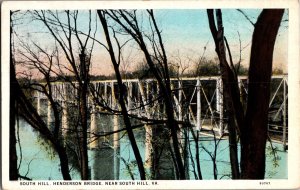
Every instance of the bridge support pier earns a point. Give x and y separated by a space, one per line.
116 146
157 153
65 111
129 97
102 164
144 97
148 146
198 87
284 115
65 120
93 128
220 104
38 103
105 92
113 96
49 115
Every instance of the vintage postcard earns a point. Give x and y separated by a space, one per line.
150 95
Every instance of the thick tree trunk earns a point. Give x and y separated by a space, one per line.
13 159
254 132
83 90
83 135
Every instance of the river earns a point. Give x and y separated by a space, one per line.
38 161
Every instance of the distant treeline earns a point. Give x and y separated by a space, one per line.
142 71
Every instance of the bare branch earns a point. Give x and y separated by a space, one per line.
246 16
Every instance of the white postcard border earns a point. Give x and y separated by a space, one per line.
293 96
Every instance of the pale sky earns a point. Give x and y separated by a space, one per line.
185 33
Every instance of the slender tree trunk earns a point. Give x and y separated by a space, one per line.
63 158
131 26
129 129
196 139
57 121
254 132
231 94
32 117
121 99
171 122
57 144
54 107
173 126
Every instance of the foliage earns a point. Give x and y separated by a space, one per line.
277 71
142 71
209 67
206 67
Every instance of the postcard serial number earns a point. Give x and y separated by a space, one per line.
264 183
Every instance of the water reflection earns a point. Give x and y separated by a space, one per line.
111 158
158 153
102 164
105 151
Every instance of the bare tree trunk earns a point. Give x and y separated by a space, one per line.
121 98
253 127
83 91
166 93
254 132
129 22
31 116
196 139
83 134
172 123
13 158
231 93
63 158
55 109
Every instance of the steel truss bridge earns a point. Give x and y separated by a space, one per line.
198 99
